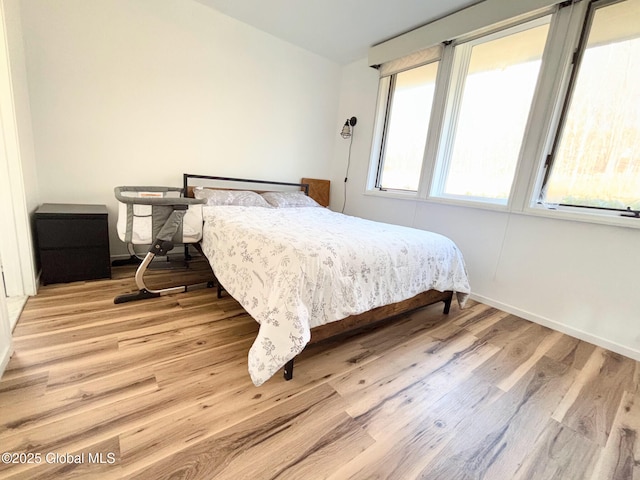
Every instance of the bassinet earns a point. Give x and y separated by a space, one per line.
160 217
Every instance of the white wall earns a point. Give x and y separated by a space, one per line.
579 278
138 92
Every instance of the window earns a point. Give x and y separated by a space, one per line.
538 114
595 161
494 97
409 104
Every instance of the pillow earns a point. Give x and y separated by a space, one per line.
289 199
243 198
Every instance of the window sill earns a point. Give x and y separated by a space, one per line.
374 192
585 215
439 200
574 214
470 202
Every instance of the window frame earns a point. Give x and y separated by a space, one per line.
388 84
461 58
385 104
563 106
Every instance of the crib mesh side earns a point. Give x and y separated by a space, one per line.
145 218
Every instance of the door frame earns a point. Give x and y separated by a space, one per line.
16 245
6 344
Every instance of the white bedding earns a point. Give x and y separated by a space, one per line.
296 268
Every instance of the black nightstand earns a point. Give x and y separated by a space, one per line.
73 242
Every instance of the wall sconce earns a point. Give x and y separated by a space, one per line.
347 130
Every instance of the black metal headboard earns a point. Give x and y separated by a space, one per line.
187 176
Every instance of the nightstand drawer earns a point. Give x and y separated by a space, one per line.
72 232
72 265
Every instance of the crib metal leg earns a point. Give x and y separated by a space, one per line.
139 295
161 248
288 370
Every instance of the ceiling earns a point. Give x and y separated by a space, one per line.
340 30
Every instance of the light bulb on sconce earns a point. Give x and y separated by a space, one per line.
347 129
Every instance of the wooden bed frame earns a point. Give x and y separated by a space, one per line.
352 322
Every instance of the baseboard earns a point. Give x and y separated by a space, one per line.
4 360
560 327
16 311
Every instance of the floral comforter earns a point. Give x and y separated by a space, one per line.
296 268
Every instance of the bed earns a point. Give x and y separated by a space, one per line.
305 273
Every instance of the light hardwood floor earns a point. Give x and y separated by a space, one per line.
160 388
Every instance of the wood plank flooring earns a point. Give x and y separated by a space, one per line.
159 389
